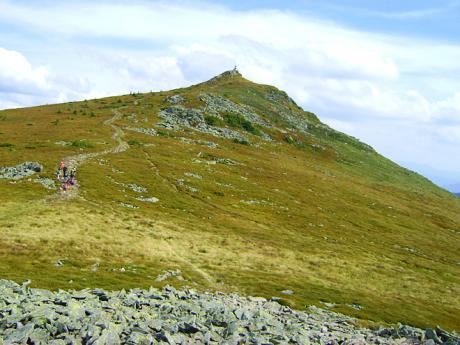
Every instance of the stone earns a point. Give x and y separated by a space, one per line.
127 205
177 118
175 99
172 316
148 131
20 171
136 188
20 335
59 263
194 175
287 292
46 182
151 199
188 328
431 334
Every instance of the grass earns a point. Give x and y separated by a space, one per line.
213 121
340 224
82 143
238 121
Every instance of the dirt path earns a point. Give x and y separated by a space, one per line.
77 160
182 258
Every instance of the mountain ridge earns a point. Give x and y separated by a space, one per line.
248 192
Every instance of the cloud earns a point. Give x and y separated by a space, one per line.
18 76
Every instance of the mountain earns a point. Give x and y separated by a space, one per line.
226 186
444 178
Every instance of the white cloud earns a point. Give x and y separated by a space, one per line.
18 76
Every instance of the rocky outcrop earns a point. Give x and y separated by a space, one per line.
177 118
215 105
20 171
170 316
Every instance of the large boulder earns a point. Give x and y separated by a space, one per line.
20 171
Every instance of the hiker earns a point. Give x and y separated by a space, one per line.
64 172
73 172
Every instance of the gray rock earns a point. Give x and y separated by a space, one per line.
151 199
171 316
177 118
20 334
148 131
136 188
46 182
431 334
194 175
20 171
287 292
127 205
217 104
175 99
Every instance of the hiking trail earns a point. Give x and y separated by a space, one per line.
77 160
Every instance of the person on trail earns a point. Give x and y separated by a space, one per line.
64 172
73 173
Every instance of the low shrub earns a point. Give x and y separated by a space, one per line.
81 144
213 120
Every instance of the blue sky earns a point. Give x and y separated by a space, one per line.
386 72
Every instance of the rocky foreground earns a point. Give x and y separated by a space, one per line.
169 316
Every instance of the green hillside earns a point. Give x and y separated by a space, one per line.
241 190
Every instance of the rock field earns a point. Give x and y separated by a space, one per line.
170 316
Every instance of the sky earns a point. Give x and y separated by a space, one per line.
386 72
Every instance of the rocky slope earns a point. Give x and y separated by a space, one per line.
170 316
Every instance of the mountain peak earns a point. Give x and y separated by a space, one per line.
230 74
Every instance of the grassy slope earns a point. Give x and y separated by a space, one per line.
341 225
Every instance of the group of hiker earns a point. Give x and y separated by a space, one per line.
66 176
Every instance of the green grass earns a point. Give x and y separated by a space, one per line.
134 143
82 143
331 219
238 121
213 121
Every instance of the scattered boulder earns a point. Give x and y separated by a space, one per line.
63 143
169 274
148 131
151 199
175 99
20 171
194 175
287 292
127 205
136 188
46 182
